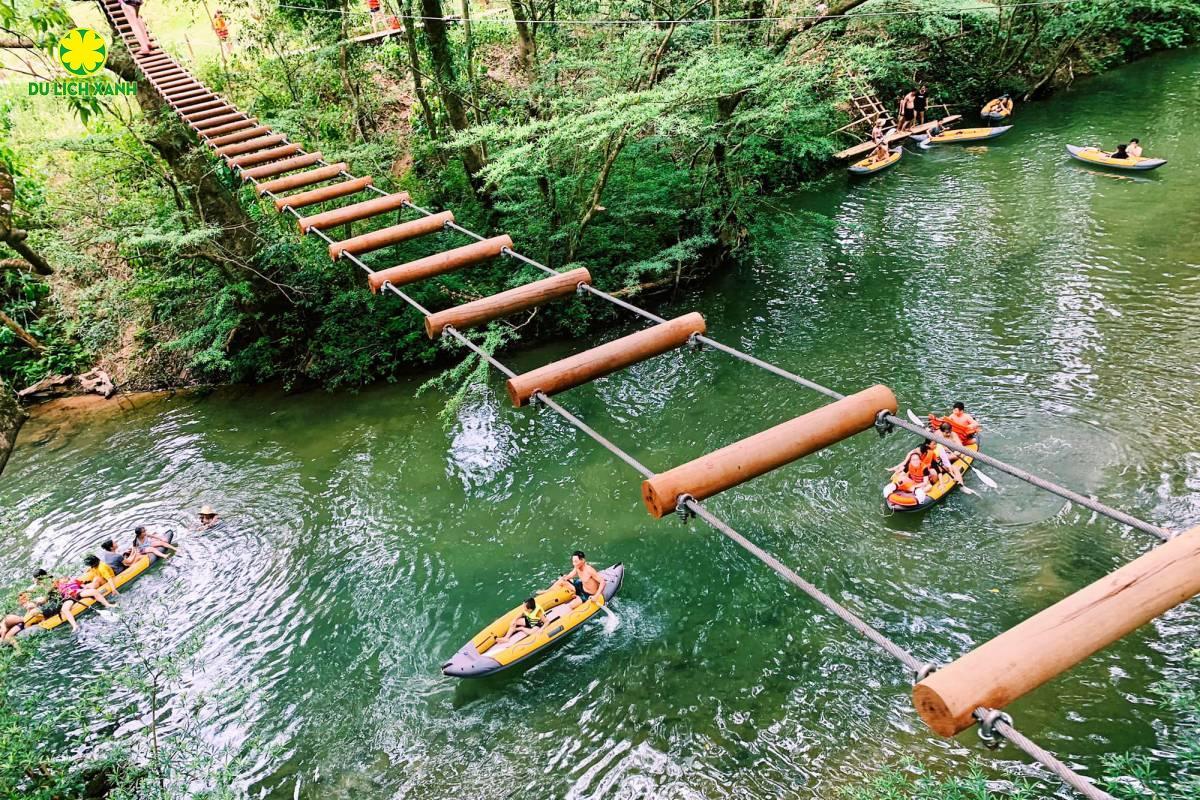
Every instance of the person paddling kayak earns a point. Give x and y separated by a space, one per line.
584 579
962 423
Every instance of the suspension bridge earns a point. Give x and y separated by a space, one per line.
950 698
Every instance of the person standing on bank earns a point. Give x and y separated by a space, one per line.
920 102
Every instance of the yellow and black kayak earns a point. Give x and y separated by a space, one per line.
869 165
484 656
1094 155
904 501
123 577
959 135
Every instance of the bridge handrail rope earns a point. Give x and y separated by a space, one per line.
213 121
711 20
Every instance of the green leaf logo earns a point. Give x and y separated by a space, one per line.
82 52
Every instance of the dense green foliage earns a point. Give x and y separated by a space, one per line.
640 151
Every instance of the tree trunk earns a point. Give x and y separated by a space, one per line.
206 192
414 60
615 145
22 334
836 9
456 111
15 237
11 418
526 43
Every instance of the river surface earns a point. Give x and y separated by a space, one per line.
364 541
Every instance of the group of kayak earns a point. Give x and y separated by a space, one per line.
926 475
53 600
883 155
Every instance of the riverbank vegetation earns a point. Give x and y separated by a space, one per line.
638 150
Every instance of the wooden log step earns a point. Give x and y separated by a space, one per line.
522 298
353 212
177 99
216 122
439 263
251 145
263 156
394 234
767 450
173 83
289 182
245 134
589 365
214 112
201 106
323 193
212 133
280 167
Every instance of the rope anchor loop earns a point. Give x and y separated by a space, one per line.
883 425
924 671
987 726
681 508
694 342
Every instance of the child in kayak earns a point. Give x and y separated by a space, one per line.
534 616
147 544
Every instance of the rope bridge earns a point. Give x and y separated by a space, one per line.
949 698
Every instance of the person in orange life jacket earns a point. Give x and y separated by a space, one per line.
915 472
960 421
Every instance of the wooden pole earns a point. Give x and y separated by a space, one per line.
322 194
303 179
393 234
354 212
486 309
250 145
243 135
607 358
440 263
1052 641
739 462
280 167
248 122
263 156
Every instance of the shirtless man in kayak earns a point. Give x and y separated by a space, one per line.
960 421
584 579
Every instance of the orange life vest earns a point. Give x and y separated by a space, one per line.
966 430
221 28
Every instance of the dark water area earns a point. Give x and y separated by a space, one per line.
364 541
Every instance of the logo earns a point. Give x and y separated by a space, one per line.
82 52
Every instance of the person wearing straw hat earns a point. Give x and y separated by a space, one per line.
208 516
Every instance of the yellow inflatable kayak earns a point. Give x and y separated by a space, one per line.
1094 155
484 655
993 110
907 501
958 135
123 577
869 166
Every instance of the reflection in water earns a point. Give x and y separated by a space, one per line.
363 542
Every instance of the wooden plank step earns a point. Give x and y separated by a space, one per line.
393 234
354 212
243 135
241 124
323 193
209 112
439 263
313 176
605 359
199 105
280 167
251 145
215 122
263 156
522 298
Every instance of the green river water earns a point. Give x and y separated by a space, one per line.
364 542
